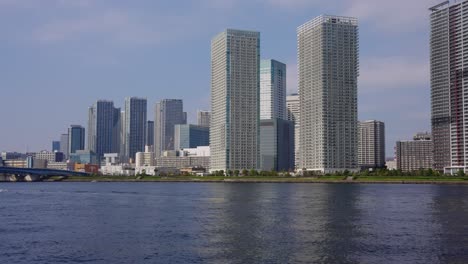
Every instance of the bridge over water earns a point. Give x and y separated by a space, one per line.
31 174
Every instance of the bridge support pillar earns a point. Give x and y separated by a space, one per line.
32 178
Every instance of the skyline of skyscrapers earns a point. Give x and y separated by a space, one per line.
168 113
246 90
235 102
134 126
328 71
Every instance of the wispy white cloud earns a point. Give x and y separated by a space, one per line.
41 3
390 15
394 15
393 72
112 25
293 4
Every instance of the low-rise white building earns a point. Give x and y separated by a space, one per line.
144 158
57 165
117 170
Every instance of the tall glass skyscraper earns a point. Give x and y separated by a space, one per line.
272 90
276 144
103 128
168 113
448 85
76 138
328 71
135 126
235 100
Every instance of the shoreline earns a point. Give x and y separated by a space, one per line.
272 180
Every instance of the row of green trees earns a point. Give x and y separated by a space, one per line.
397 173
365 173
252 172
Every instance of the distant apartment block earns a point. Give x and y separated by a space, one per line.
134 126
416 154
55 146
168 113
49 156
203 118
84 157
187 158
64 145
371 150
104 128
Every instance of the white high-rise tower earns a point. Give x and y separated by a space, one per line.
235 88
328 71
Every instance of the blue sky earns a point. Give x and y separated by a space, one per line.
59 56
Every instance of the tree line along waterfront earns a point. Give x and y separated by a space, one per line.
376 176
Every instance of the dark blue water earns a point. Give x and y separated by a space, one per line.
232 223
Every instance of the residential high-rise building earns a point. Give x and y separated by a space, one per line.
149 136
135 126
191 136
448 85
55 146
276 144
328 71
103 128
235 92
168 113
76 138
416 154
64 145
371 138
203 118
272 90
294 113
